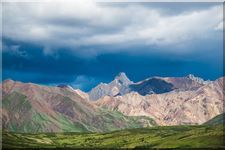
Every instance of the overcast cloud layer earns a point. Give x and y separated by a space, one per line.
85 43
85 23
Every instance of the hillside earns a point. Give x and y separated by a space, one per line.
28 107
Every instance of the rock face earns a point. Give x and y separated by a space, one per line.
190 82
77 91
175 107
155 85
119 86
28 107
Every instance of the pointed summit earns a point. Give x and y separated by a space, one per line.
123 79
119 86
121 75
197 79
191 76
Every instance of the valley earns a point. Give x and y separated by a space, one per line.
153 137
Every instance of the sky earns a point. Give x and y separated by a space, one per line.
87 42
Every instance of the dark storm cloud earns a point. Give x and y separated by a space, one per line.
91 43
85 73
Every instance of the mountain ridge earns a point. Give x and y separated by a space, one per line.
122 85
174 107
28 107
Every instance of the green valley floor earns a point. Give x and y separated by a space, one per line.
154 137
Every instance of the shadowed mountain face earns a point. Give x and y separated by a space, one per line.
28 107
218 120
156 85
151 86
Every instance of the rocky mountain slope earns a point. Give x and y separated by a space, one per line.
28 107
119 86
122 85
177 107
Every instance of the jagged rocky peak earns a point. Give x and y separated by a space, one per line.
123 79
119 86
191 76
197 79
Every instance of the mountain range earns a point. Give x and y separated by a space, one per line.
122 103
122 85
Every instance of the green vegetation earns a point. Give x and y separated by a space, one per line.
114 120
216 120
24 117
15 101
157 137
114 129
